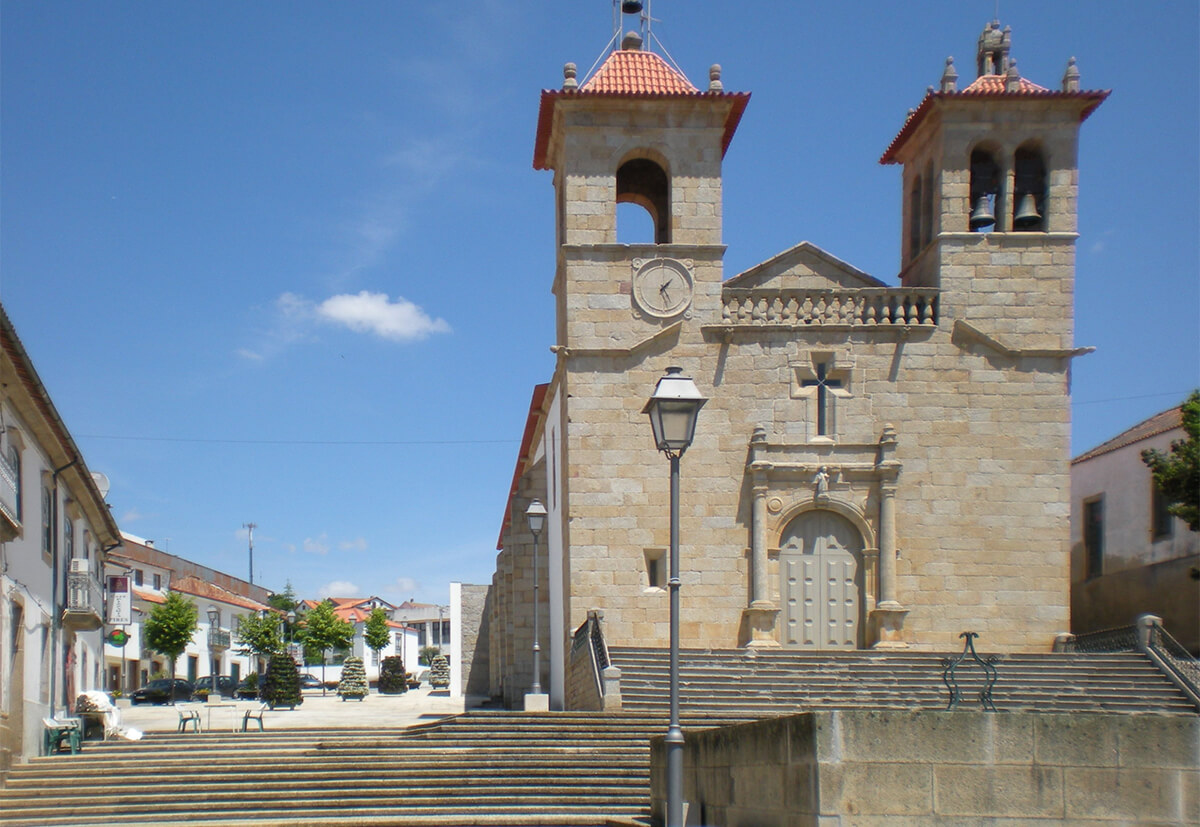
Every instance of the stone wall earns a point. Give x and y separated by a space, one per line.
892 767
476 621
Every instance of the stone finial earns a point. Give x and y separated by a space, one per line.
569 81
759 436
1012 78
949 77
1070 81
888 437
631 42
714 78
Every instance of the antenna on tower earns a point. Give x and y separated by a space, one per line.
250 528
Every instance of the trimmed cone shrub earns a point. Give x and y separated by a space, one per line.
281 685
439 672
354 680
392 679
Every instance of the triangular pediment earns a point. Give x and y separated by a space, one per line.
804 267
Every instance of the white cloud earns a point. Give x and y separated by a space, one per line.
399 320
357 544
338 588
318 545
404 587
131 516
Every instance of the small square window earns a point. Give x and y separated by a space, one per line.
656 568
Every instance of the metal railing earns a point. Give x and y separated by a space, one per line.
218 639
9 492
1123 639
84 594
588 661
1149 637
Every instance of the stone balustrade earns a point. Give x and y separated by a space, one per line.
865 307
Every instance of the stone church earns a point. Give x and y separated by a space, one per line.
879 464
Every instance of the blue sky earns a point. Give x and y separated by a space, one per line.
289 263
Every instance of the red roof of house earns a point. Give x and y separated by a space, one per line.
1158 424
200 588
988 87
632 73
148 596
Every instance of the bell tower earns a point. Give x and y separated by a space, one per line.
990 183
638 132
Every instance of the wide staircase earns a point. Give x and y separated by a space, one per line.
483 768
770 683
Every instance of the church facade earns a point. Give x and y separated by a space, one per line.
878 465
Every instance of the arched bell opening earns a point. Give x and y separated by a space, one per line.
643 182
1029 185
985 191
915 218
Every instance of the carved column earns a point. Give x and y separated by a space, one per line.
887 618
759 618
887 545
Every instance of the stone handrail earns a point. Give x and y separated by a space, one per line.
593 683
863 307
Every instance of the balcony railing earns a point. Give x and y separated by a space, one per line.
10 521
218 638
885 307
85 602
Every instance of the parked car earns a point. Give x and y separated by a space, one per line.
309 681
225 685
161 691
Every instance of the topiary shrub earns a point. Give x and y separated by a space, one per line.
439 672
281 685
392 680
354 680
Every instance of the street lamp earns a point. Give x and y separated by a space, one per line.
214 617
536 515
673 410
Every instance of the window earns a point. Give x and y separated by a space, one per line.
68 539
158 581
46 540
139 577
1162 523
656 569
14 460
1030 184
985 191
1093 536
914 218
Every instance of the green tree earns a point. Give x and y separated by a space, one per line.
170 627
427 654
260 634
281 684
286 601
377 633
324 630
1177 474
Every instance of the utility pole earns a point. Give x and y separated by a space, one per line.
250 527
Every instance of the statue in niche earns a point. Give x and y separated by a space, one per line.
821 481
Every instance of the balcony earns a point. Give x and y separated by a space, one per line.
10 522
218 638
85 603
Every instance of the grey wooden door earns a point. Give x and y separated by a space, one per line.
821 589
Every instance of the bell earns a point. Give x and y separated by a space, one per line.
631 6
1027 215
982 215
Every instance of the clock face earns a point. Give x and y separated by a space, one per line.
662 287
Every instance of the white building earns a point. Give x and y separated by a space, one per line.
221 601
55 531
1128 555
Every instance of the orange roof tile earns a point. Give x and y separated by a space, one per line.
988 87
629 72
632 73
148 596
200 588
1155 425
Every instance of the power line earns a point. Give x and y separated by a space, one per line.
1177 395
363 442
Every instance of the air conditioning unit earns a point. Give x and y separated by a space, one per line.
79 565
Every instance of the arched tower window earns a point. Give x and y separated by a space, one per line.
1029 184
927 206
985 191
915 214
643 182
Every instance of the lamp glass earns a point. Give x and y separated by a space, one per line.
536 515
673 410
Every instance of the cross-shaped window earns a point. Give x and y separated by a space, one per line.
822 380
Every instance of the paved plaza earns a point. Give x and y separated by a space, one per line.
317 711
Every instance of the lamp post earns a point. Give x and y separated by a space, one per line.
536 515
673 410
214 617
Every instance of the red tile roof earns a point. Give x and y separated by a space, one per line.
148 596
1155 425
632 73
629 72
200 588
988 87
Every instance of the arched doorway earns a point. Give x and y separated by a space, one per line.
821 572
